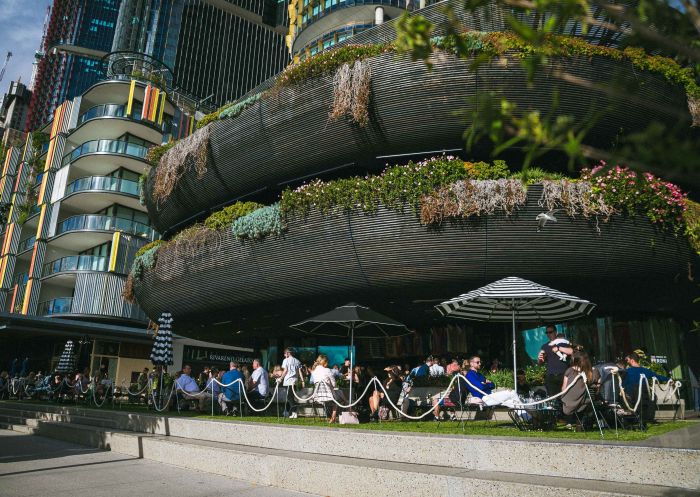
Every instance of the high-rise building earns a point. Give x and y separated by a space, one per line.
77 35
13 114
217 49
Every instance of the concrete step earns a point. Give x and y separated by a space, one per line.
68 417
18 427
340 476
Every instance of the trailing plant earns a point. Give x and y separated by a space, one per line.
691 218
23 211
465 198
192 151
351 92
143 178
259 224
148 246
662 202
574 197
189 242
229 110
128 291
224 218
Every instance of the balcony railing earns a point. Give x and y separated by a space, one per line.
106 147
97 222
26 244
117 110
75 263
55 306
104 183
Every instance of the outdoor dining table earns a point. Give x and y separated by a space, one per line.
534 418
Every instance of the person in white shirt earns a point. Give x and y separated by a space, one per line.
436 369
259 382
291 372
324 381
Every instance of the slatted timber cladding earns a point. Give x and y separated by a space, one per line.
101 294
412 110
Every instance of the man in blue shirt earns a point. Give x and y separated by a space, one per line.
634 372
186 384
476 379
231 392
423 369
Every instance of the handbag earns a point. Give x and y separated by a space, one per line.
383 413
349 418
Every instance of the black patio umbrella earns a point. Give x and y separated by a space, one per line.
162 352
66 363
514 298
352 320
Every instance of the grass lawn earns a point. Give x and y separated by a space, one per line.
482 428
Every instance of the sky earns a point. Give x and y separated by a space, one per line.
21 25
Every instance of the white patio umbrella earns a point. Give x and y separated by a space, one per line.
66 363
162 352
512 299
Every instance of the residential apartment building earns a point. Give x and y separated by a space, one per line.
13 114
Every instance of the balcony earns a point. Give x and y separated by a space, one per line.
117 147
73 263
115 122
55 306
96 222
25 245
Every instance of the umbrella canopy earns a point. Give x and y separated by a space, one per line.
66 363
515 298
352 320
162 352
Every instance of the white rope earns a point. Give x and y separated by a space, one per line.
342 406
145 386
579 376
153 395
110 386
245 394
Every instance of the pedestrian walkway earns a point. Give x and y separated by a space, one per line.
33 466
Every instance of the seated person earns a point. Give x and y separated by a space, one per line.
231 389
457 397
574 400
392 385
188 387
481 388
324 381
259 382
633 374
422 370
523 385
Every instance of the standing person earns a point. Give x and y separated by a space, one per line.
291 372
231 391
259 382
554 354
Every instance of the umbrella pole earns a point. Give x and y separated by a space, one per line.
515 354
352 346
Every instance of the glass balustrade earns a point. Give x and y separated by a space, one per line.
55 306
75 263
26 244
117 110
104 183
106 147
96 222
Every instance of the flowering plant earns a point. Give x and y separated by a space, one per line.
662 202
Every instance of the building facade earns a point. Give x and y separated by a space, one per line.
217 49
78 34
13 114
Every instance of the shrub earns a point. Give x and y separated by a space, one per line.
574 197
535 374
485 170
224 218
259 224
503 378
532 175
149 246
691 219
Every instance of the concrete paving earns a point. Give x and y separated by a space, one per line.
32 466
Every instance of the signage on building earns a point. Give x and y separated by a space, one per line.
659 359
216 356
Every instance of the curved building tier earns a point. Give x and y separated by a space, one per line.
283 139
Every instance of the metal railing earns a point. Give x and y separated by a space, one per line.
61 305
97 222
106 147
75 263
103 183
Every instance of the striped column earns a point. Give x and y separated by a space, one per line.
53 162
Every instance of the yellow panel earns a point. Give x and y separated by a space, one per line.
42 215
162 108
113 253
27 296
130 102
